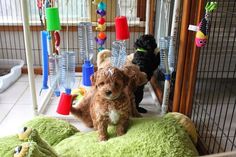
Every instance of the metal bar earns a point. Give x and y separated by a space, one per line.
234 104
230 91
235 129
214 87
209 48
25 15
217 100
46 101
147 16
228 154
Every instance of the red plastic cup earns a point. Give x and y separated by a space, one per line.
122 29
64 105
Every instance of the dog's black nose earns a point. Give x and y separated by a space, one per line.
108 92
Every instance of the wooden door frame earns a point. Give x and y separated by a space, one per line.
188 58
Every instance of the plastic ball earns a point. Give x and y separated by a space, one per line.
101 28
95 2
102 6
101 20
101 35
100 49
101 12
100 41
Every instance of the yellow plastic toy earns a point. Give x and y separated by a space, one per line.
95 2
101 28
80 92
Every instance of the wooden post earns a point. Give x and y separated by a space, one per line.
152 16
181 54
188 59
194 65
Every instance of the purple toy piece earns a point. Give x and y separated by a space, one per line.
101 12
100 41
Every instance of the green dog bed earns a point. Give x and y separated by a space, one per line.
145 137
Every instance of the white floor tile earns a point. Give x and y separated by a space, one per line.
26 98
15 119
23 78
13 93
4 110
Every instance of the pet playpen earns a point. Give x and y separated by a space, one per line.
205 81
201 103
13 45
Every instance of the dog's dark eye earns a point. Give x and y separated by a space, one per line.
101 84
116 84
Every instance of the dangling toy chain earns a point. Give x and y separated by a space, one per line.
202 32
101 27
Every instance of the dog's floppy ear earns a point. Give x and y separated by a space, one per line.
141 78
93 78
125 79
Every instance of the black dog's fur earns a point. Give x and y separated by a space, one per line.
147 61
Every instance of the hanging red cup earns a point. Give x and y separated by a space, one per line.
64 105
122 29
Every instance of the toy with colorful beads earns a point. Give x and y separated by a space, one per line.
101 27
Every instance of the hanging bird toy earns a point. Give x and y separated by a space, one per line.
203 27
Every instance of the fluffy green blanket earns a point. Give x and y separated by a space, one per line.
146 137
51 129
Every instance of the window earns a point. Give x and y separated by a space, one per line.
78 10
129 9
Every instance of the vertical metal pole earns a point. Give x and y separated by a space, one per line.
29 58
175 21
147 17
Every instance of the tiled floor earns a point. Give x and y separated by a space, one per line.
16 105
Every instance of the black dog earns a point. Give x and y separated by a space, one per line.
147 61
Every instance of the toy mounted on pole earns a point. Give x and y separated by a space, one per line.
85 38
203 27
49 14
118 54
202 33
101 26
61 65
66 74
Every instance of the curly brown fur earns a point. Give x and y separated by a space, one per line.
136 79
110 103
82 109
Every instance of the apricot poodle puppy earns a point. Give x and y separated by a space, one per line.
135 79
111 104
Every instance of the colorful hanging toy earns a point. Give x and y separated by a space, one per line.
67 74
59 65
118 54
203 26
101 27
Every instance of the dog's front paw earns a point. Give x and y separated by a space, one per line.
120 131
103 138
137 114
